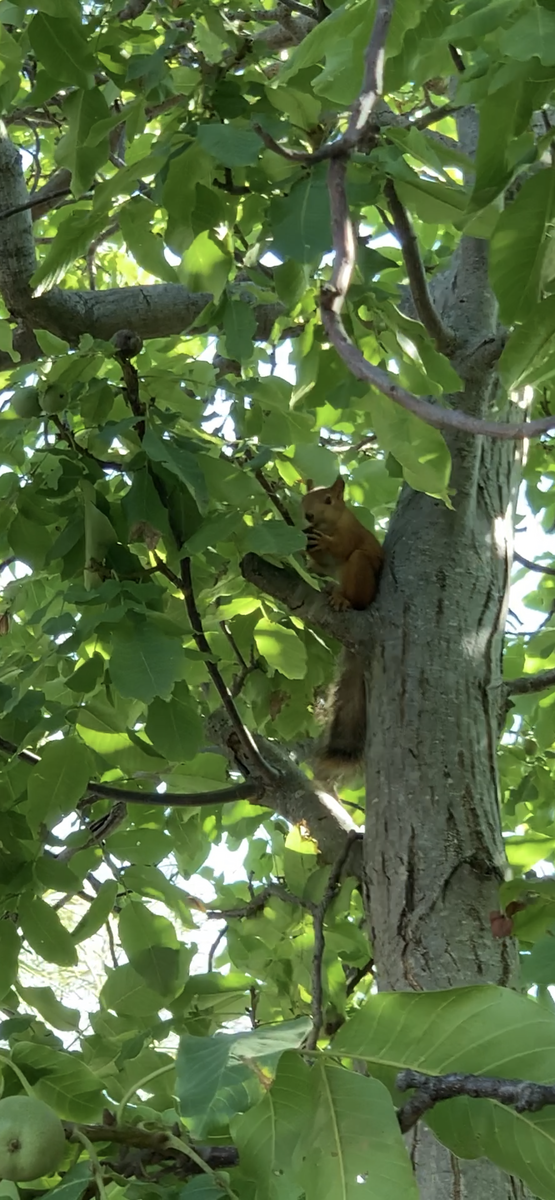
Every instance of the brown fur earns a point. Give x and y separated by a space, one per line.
339 545
342 747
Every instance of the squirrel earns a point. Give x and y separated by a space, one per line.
338 545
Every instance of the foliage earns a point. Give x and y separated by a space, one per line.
113 474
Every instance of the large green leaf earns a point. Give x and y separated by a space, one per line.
43 930
144 662
470 1030
519 245
61 46
230 145
58 781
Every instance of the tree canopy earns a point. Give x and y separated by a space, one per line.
227 237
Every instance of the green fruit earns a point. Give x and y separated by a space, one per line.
25 402
54 399
32 1139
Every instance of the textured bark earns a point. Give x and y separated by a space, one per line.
433 855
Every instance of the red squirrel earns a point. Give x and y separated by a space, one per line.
338 545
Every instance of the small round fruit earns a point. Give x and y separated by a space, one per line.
32 1139
54 399
25 402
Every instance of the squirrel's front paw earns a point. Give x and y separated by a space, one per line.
315 540
338 601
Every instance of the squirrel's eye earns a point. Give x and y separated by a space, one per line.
328 499
309 516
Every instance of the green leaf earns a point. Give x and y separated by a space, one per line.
77 228
175 727
84 110
340 41
58 781
150 881
98 912
144 662
268 1134
470 1030
139 929
61 46
10 945
531 37
180 462
49 1007
43 930
301 220
274 537
291 280
62 1080
135 221
519 244
88 675
353 1137
200 1065
240 327
230 145
207 265
126 993
528 354
281 648
421 450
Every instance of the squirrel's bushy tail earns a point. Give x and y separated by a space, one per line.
343 743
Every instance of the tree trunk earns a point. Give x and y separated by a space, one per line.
434 853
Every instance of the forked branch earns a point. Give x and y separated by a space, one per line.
404 232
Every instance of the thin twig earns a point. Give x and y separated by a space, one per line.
358 975
319 939
274 497
457 59
259 901
228 634
214 947
112 944
246 668
437 114
520 1094
246 739
533 566
404 232
31 203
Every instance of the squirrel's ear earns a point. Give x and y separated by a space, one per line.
309 485
338 487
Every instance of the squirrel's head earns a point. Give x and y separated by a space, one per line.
321 506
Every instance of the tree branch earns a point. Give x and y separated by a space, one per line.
246 739
533 566
528 684
294 796
372 86
238 791
520 1094
441 335
258 902
319 938
352 629
363 108
332 299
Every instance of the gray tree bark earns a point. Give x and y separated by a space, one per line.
433 852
